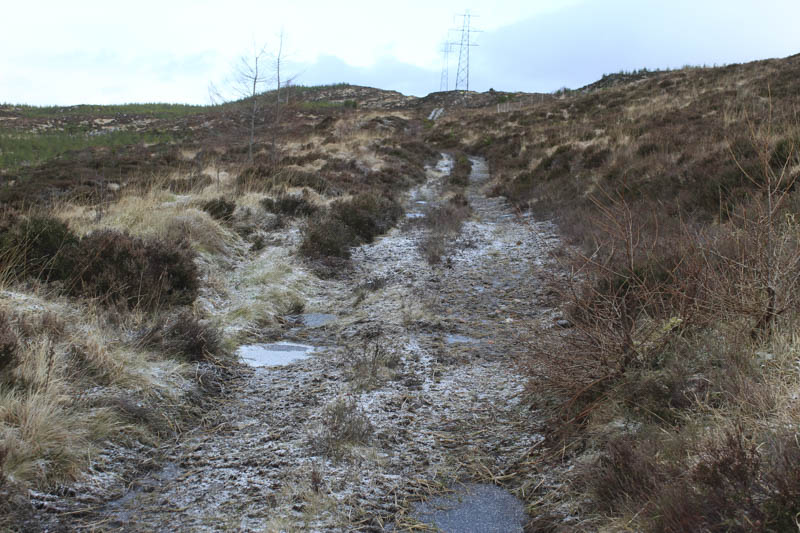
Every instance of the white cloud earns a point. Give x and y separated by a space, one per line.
99 52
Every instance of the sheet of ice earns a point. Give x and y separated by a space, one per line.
459 339
277 354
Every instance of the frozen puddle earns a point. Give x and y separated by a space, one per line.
277 354
474 508
459 339
315 320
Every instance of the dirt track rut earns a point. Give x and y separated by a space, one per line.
447 408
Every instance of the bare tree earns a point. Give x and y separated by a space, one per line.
252 75
277 63
250 79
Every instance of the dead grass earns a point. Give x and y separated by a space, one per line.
372 362
344 424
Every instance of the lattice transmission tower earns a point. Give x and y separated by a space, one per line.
464 44
444 84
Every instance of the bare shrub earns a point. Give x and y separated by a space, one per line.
666 318
371 362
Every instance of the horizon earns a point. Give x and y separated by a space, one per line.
347 84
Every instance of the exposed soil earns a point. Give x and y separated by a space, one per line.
427 354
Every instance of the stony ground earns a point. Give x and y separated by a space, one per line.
414 388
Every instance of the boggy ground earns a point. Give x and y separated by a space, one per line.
414 388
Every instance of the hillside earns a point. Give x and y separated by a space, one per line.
586 299
673 389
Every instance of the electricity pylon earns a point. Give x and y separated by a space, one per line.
462 74
444 84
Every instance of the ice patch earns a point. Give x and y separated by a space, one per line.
277 354
459 339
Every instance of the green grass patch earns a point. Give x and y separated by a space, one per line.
19 149
152 109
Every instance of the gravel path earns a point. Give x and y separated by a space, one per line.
423 358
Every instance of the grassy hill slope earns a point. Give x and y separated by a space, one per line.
672 389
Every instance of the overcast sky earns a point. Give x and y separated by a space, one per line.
86 51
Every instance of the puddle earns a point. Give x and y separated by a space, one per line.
310 320
474 508
315 320
415 215
445 164
459 339
277 354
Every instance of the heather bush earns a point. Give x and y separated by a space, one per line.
327 236
119 269
459 175
289 205
348 223
219 208
367 215
39 246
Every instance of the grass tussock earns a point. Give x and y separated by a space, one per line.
443 223
372 362
50 426
186 337
344 424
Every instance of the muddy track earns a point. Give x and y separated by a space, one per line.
443 397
